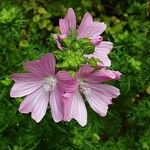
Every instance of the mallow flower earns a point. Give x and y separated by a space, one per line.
90 83
42 86
87 29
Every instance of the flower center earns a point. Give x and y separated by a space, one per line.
49 83
83 88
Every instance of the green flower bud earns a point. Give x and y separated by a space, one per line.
66 42
87 46
75 45
93 62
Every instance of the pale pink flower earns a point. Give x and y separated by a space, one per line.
42 87
98 95
87 29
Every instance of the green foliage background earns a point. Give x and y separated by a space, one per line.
25 29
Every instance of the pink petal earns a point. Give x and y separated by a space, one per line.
74 108
86 21
102 76
110 90
71 18
69 22
102 90
42 67
65 82
93 30
58 41
25 87
25 77
63 25
36 103
96 101
96 40
84 71
117 75
100 96
56 105
104 47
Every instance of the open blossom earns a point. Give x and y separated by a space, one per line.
42 87
98 95
87 29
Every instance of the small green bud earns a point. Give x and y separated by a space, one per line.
41 10
75 45
87 46
44 24
93 62
23 43
66 42
36 18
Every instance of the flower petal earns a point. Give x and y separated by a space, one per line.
25 87
36 103
71 18
65 82
96 101
102 76
42 67
86 21
25 77
93 30
56 37
69 22
96 40
74 108
84 71
99 98
63 25
56 105
104 47
113 91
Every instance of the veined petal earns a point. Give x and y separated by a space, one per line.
74 108
84 71
93 30
42 67
63 25
86 21
65 82
56 105
69 22
96 101
103 75
25 77
36 103
115 92
104 47
71 18
23 88
108 91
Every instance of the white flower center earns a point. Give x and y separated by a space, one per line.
83 88
49 83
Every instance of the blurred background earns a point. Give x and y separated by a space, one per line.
25 30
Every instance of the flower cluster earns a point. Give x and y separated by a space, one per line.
73 75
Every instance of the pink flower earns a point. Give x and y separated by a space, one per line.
42 87
97 94
87 29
